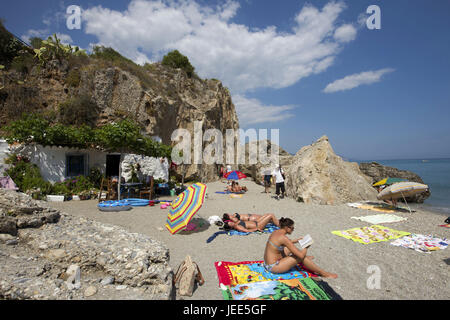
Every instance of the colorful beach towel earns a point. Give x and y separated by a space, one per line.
445 225
234 273
421 243
294 289
380 218
375 233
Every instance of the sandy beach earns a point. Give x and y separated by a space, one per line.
405 274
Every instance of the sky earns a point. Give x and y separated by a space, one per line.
307 68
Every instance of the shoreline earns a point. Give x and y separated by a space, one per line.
399 266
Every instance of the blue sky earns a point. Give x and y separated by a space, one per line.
306 68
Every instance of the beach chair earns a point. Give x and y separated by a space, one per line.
147 192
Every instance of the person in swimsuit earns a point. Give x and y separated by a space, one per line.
281 254
244 226
255 217
236 188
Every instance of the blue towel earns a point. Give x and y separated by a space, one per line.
268 229
294 273
215 235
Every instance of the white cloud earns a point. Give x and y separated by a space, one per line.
252 111
355 80
64 38
345 33
33 33
243 58
44 34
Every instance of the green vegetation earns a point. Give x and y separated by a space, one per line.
123 136
53 49
36 42
79 110
73 78
175 59
27 177
10 47
23 63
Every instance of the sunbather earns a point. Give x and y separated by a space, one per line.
245 226
281 254
255 217
236 188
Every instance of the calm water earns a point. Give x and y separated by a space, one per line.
435 173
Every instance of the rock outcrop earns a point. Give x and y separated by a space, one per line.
159 98
317 175
378 172
255 171
77 258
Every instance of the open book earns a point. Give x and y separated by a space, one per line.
306 241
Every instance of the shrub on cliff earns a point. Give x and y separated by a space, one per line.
113 58
9 46
175 59
78 111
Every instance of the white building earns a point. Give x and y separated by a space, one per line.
59 163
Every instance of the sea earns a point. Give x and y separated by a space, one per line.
435 173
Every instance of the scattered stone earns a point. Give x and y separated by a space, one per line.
46 262
74 277
12 242
108 280
4 237
90 291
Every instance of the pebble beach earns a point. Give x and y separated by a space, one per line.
404 274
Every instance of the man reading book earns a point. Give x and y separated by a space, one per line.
281 254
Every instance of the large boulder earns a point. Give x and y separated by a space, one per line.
378 172
317 175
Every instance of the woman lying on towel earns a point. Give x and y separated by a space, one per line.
281 254
245 226
236 188
254 217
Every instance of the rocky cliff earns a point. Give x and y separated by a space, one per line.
378 172
317 175
87 90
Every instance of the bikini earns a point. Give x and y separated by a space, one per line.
269 267
242 223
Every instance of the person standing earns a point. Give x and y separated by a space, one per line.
266 179
278 175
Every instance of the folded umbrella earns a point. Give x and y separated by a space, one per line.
388 181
